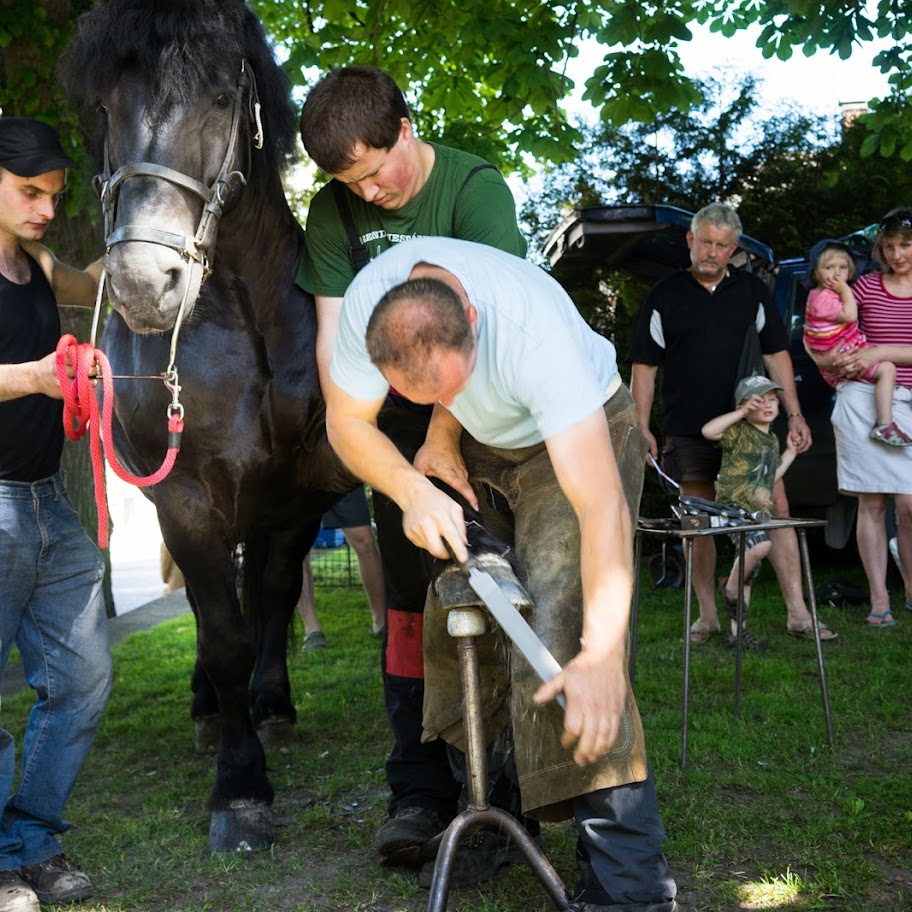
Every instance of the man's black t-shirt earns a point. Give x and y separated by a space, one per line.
31 427
696 338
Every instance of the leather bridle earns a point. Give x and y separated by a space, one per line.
195 249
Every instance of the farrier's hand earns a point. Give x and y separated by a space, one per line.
595 689
446 463
431 517
441 453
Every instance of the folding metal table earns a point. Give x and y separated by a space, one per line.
678 529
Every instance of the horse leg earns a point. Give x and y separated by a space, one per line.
272 586
241 817
204 709
240 814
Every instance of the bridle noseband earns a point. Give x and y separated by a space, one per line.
195 249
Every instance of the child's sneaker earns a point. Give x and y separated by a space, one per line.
891 435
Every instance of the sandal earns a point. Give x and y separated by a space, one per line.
805 630
892 435
314 640
700 631
731 603
748 641
884 619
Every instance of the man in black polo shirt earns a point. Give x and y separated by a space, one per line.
693 325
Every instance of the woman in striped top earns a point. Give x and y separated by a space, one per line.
831 324
866 469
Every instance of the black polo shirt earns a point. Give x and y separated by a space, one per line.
696 338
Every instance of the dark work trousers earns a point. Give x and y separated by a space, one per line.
418 774
619 848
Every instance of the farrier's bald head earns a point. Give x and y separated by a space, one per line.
411 321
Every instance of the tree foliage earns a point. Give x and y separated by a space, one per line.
792 179
721 149
490 75
33 33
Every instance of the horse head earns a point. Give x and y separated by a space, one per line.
182 129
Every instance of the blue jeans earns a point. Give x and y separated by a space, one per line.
51 607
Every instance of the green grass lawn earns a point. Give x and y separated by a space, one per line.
765 816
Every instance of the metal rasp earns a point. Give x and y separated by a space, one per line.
514 625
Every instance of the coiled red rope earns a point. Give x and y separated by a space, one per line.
81 414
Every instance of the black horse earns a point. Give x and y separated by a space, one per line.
196 126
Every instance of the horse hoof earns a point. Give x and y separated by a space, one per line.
206 735
453 589
244 826
276 733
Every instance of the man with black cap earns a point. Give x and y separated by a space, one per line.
51 604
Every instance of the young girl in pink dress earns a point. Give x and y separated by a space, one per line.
831 323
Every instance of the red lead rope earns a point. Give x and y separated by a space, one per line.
80 413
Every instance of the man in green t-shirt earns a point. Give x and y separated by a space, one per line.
389 186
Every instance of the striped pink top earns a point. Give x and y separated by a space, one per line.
820 331
884 318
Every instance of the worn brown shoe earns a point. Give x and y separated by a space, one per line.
54 882
477 859
15 894
407 837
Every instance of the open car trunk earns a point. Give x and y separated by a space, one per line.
648 241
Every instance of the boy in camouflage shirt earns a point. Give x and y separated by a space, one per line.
751 465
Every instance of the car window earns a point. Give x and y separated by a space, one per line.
794 315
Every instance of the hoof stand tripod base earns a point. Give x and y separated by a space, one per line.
467 624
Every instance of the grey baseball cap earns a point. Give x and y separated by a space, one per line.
755 385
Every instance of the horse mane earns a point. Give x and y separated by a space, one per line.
180 47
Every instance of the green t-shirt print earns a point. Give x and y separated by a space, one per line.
482 210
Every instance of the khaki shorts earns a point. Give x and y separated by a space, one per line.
689 459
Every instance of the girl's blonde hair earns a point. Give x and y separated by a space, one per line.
828 253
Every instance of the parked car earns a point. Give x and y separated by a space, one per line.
649 241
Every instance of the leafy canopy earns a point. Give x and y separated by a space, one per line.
793 178
491 75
